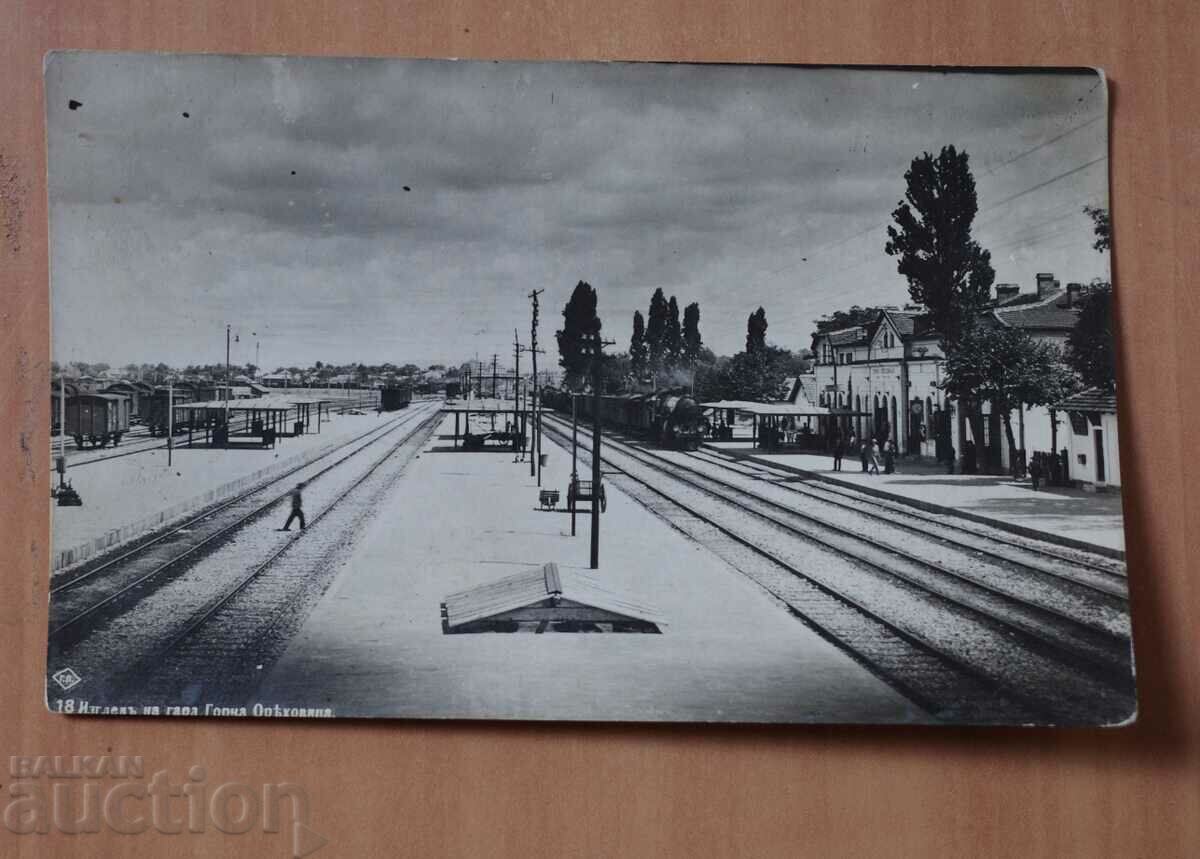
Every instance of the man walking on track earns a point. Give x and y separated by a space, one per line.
297 509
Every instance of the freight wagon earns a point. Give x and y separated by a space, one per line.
393 399
97 419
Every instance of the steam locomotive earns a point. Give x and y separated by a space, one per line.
670 418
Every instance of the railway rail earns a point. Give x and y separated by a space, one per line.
272 594
113 582
996 541
1037 658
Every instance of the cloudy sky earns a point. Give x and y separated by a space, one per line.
401 211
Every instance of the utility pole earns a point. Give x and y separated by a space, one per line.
536 439
597 360
517 350
494 375
170 419
574 452
228 383
62 428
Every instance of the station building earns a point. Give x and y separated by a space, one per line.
891 365
887 372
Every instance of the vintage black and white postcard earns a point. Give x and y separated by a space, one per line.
583 391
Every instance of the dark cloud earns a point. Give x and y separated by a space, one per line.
372 206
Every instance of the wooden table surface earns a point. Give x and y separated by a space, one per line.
475 789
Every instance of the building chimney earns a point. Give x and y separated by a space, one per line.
1005 291
1074 290
1045 283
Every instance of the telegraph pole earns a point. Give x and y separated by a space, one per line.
494 375
170 419
597 361
62 428
516 391
228 383
536 438
574 451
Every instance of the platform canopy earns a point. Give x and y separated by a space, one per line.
486 407
545 599
752 407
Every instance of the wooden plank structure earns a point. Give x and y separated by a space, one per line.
545 599
819 421
252 423
513 438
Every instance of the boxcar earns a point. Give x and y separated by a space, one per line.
154 410
392 399
97 419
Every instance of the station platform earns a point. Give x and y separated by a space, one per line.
375 644
122 495
1091 519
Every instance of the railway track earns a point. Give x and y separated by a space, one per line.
982 538
245 625
116 649
956 646
112 583
141 444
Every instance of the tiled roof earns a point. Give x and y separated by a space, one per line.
1040 316
808 386
1091 400
905 321
538 592
846 336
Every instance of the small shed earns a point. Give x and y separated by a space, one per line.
545 599
1093 452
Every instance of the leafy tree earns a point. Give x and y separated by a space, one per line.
579 323
756 331
615 373
1008 368
692 344
947 271
755 376
1101 226
638 352
840 319
656 330
1091 347
672 336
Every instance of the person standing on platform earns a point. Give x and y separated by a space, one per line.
889 457
864 453
1035 472
873 456
297 509
839 450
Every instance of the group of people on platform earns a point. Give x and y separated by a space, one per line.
871 452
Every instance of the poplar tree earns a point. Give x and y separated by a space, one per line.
656 328
579 322
947 271
691 335
637 346
672 336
